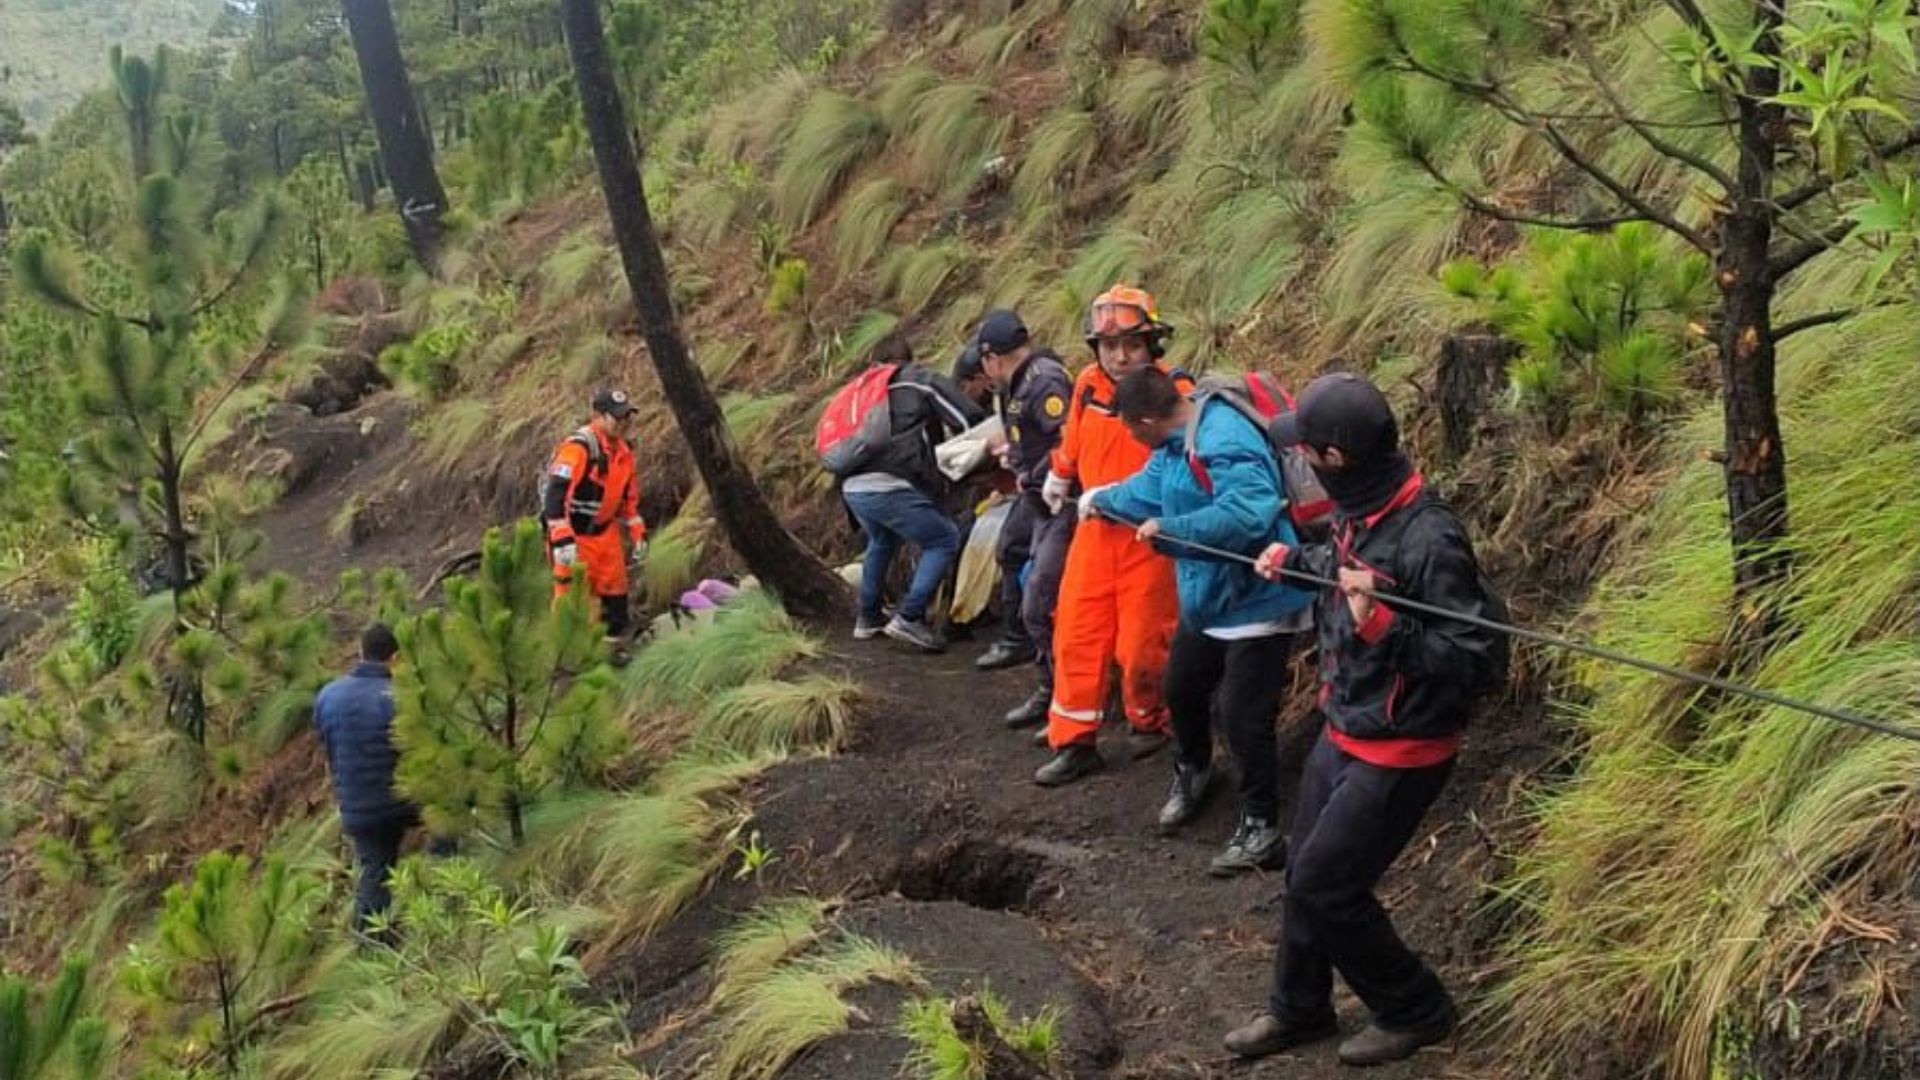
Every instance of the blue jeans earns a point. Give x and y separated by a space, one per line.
893 518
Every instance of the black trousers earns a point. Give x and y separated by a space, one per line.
1244 680
376 847
614 620
1351 821
1032 533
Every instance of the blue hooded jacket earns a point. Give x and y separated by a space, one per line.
354 718
1245 512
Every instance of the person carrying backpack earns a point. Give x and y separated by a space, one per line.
1213 480
1395 693
590 501
894 489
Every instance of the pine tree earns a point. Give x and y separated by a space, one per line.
145 365
799 578
50 1035
502 695
1754 143
226 946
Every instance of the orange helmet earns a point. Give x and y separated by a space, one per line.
1124 311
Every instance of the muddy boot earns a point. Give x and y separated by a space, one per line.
1031 711
1270 1035
1142 744
1005 654
1189 794
1376 1045
1040 738
1070 763
1255 845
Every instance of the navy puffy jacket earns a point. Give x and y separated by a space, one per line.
354 717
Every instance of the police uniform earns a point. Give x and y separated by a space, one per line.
1034 411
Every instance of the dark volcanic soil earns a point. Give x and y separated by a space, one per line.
933 829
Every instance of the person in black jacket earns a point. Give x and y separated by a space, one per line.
353 716
896 498
1395 691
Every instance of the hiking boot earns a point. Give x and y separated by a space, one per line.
1189 794
1070 763
1254 845
1146 743
1031 711
1005 654
914 632
1376 1045
1040 738
867 627
619 653
1270 1035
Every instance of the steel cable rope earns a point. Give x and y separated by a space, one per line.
1597 652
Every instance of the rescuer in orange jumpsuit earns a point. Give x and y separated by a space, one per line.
1117 597
590 502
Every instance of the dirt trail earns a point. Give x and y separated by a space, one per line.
933 828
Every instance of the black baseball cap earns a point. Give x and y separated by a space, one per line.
612 402
1343 410
1000 332
968 364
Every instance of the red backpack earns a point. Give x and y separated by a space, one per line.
858 422
1259 397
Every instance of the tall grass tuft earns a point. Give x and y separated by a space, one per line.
782 717
1058 156
865 223
836 133
916 276
749 640
748 950
952 133
797 1005
1706 850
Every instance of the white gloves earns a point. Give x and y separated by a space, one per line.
1054 492
638 555
1086 502
565 555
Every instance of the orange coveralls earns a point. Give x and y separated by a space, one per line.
1117 597
584 503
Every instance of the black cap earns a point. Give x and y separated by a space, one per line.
968 365
1001 332
612 402
1343 410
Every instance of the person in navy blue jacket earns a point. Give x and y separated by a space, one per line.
1237 631
353 716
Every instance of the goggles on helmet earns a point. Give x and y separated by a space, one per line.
1118 320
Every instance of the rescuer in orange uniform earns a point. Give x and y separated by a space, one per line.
591 502
1117 597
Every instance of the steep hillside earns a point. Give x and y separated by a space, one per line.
51 51
773 853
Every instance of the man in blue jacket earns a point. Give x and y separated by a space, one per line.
1236 630
354 718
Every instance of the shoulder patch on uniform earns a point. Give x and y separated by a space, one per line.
1056 406
563 470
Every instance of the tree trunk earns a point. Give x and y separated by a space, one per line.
405 146
186 699
1755 459
801 581
1473 368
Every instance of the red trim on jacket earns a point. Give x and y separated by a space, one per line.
1377 624
1396 753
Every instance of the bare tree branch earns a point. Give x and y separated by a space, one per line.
1794 256
1825 318
1485 208
1584 49
1492 95
1806 193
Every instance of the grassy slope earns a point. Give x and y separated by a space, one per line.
52 50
